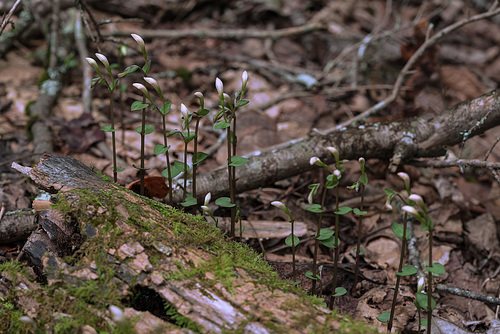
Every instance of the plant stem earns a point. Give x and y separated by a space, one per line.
113 137
316 242
165 141
143 137
231 183
294 276
398 277
429 285
195 153
336 251
358 244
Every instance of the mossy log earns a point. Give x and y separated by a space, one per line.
101 245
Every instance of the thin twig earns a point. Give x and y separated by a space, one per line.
6 20
467 294
456 163
416 56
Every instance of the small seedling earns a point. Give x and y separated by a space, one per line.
291 240
111 87
226 119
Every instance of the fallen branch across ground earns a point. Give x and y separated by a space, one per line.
426 136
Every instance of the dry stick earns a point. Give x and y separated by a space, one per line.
222 33
420 51
9 15
467 294
456 163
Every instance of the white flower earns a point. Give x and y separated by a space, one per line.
410 209
244 80
310 197
279 205
337 173
92 62
227 98
208 197
417 199
141 87
334 151
152 82
313 161
420 284
184 111
199 95
206 210
103 60
116 313
219 86
406 179
361 161
140 41
388 207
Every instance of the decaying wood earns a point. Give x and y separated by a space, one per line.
426 136
250 306
16 226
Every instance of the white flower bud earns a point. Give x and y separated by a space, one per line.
244 77
208 197
420 284
405 178
199 95
337 173
206 210
152 82
361 161
219 86
313 161
334 151
102 58
141 87
141 43
417 199
279 205
184 111
410 209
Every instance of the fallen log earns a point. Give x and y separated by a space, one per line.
423 136
108 259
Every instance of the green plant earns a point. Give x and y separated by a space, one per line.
291 240
111 87
226 119
422 216
360 184
326 236
402 233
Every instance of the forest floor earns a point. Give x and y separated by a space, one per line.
298 83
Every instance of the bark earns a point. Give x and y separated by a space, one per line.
16 226
127 248
426 136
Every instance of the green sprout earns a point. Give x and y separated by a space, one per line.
291 240
226 119
111 87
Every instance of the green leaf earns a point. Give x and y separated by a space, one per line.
237 161
173 132
422 301
118 169
173 172
340 291
330 242
224 202
359 212
361 251
147 129
390 192
107 128
160 149
146 67
363 179
437 268
190 137
288 240
139 168
343 210
407 270
165 107
397 229
202 112
241 103
190 200
325 233
138 105
309 274
316 208
113 85
128 70
200 156
222 125
384 317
